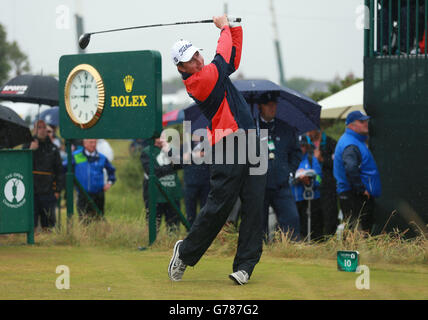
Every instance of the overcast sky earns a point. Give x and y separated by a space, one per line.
319 38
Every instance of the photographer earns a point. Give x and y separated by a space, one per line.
306 187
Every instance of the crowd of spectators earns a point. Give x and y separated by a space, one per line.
310 178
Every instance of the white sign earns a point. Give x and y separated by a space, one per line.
14 190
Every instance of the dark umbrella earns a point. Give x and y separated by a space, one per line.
32 89
13 130
51 116
294 108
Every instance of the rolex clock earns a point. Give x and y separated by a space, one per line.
84 96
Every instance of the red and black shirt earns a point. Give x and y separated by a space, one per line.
213 91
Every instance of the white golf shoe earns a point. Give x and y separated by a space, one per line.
176 267
240 277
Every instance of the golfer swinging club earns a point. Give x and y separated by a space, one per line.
225 108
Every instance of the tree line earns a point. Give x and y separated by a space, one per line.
12 59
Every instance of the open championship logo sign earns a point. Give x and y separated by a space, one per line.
14 191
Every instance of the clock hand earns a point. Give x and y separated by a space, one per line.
84 89
76 96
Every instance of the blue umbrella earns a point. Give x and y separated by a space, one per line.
294 108
51 116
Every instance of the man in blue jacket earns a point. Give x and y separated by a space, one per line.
355 171
284 158
89 165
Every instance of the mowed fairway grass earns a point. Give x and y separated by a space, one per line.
29 272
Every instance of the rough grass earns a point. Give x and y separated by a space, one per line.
386 248
132 233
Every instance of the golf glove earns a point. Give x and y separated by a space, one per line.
163 159
232 22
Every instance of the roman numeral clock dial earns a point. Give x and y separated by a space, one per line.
84 96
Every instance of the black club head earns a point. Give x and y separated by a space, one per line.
84 40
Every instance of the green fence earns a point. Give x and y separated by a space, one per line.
396 28
396 98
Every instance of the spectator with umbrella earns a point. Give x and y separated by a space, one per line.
290 113
48 176
48 180
284 159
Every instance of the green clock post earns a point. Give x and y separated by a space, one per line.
111 95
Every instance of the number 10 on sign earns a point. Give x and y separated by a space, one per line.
347 261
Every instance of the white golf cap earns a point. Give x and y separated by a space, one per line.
182 51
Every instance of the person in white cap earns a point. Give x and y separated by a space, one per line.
225 108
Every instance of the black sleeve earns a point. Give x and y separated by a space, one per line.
179 164
27 145
160 171
352 160
328 152
145 161
58 172
295 155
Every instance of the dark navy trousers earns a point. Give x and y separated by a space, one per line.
227 183
284 205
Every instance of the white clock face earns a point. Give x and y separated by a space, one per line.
83 97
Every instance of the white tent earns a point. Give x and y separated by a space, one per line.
341 103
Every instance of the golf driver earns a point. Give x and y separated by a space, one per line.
86 37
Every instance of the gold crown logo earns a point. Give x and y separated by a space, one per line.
128 81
